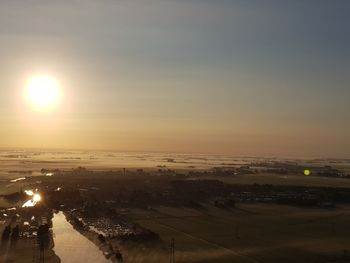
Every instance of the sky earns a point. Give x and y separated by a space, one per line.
245 77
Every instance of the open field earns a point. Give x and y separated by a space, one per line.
249 233
275 179
258 232
25 160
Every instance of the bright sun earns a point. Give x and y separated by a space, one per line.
42 92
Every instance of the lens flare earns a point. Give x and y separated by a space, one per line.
307 172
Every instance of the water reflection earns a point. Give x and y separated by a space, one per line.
18 179
29 192
35 198
71 246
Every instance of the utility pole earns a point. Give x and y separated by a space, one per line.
42 257
172 250
35 248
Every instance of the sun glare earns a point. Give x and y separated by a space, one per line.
42 92
36 198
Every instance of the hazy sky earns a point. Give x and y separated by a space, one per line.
241 77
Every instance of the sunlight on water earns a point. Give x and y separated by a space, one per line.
29 192
35 199
71 246
18 179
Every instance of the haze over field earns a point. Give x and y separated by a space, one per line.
234 77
